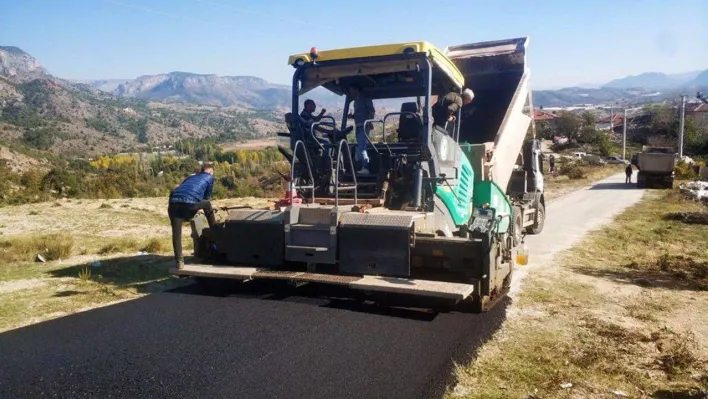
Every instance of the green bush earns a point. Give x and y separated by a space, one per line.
572 169
684 171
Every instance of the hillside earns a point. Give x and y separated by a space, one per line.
243 91
654 80
254 93
74 118
631 97
18 66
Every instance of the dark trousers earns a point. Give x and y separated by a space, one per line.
180 212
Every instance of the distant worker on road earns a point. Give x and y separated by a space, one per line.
186 200
628 173
552 164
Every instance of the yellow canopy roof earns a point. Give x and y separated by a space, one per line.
361 53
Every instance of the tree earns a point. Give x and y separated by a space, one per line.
588 119
604 144
588 134
567 124
695 138
543 130
39 138
142 129
664 120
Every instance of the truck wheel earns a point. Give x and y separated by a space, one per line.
518 225
537 227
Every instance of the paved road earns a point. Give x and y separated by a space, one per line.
256 344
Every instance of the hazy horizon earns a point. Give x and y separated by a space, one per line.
570 44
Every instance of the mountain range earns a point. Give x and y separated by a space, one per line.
76 118
254 92
95 116
658 80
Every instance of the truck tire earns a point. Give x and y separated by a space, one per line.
537 227
518 224
641 181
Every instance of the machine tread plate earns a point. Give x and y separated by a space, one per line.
216 271
254 215
377 219
428 288
439 289
306 277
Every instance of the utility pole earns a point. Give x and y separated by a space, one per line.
612 112
624 135
683 113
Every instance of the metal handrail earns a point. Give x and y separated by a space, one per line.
351 165
309 171
368 139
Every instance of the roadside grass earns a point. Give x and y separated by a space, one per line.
623 314
58 290
97 252
50 246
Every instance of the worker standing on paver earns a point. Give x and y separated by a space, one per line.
363 110
628 173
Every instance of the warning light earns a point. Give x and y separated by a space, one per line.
313 52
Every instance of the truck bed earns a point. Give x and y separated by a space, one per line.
496 72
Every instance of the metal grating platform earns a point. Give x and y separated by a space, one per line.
377 219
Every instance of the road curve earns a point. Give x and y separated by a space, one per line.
261 343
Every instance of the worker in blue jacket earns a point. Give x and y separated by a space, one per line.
186 200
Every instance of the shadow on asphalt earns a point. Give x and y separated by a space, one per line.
326 296
614 186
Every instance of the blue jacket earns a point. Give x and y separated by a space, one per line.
194 189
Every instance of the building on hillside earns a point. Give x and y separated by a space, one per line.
617 123
543 116
699 113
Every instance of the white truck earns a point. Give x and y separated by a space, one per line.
656 167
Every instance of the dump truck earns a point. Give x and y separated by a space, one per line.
655 167
443 209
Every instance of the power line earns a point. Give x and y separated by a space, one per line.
263 14
189 19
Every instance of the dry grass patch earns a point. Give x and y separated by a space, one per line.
68 289
26 248
625 314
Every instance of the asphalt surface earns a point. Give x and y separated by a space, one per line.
261 341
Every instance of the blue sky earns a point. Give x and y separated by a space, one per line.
571 42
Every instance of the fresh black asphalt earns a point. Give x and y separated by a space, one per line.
248 344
